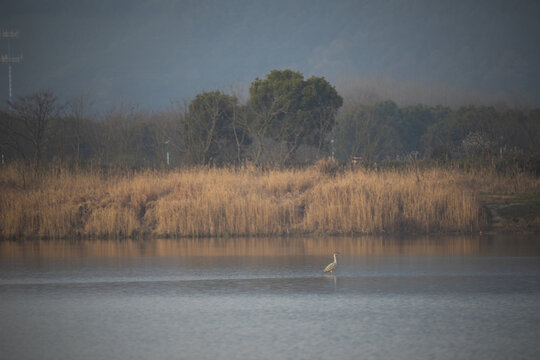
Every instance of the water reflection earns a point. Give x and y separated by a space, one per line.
390 298
289 246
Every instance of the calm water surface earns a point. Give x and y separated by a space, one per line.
414 298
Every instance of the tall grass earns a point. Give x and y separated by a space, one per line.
62 203
391 202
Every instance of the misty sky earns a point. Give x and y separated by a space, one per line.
149 52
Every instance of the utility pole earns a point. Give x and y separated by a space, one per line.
167 142
9 58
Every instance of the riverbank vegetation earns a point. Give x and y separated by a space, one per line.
290 159
246 201
285 121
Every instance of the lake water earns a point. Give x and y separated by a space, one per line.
390 298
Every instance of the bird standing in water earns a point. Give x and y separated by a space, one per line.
330 268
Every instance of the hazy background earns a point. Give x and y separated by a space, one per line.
147 52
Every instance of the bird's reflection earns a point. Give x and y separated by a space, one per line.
332 277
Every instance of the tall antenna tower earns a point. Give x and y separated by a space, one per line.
9 58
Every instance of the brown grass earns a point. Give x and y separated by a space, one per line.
226 202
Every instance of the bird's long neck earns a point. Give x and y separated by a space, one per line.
335 259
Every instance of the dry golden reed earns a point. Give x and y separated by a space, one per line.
200 202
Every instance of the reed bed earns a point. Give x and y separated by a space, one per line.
197 202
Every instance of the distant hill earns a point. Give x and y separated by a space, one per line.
148 52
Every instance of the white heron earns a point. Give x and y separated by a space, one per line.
330 268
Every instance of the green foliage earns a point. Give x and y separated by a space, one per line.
294 111
365 131
413 123
284 112
212 129
484 132
375 132
478 134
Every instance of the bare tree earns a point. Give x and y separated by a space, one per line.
365 134
29 123
166 135
76 120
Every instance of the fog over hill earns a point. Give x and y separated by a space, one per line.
147 52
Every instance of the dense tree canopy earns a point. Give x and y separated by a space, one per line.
211 128
293 111
384 131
